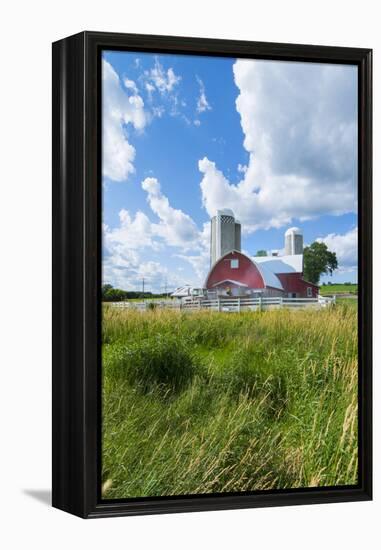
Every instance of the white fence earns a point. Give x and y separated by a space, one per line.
230 304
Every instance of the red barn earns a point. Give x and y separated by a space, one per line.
235 274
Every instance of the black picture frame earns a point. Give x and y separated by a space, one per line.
77 272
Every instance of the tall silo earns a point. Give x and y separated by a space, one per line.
293 241
225 234
237 236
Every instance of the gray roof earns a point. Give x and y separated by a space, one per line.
282 264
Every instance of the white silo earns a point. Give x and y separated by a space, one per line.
293 241
225 234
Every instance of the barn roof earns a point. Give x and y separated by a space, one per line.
268 275
182 291
281 264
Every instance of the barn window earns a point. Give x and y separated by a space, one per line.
234 264
309 292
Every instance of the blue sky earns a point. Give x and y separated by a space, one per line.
185 135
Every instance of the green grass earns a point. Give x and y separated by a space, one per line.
338 289
220 402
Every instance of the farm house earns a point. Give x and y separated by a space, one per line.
233 273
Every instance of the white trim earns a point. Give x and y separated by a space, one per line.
230 281
236 263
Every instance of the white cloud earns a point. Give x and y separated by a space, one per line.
300 130
200 262
175 234
158 111
133 233
124 264
163 81
150 89
175 227
345 247
120 110
166 83
129 276
130 85
242 168
202 102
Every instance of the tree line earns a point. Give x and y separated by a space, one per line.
111 294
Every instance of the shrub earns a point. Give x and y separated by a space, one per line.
163 363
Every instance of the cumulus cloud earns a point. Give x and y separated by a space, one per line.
202 102
132 233
120 110
129 276
125 261
175 233
175 227
242 168
200 261
300 131
345 247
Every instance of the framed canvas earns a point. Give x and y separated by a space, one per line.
211 274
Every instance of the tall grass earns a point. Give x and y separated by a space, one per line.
213 402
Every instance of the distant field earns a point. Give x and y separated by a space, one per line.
338 289
220 402
151 299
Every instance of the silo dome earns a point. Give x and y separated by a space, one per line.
293 238
225 234
293 231
225 212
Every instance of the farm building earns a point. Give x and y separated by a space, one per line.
235 274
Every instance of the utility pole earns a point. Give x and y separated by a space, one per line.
143 286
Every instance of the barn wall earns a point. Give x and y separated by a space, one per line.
293 283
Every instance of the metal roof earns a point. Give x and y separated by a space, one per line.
268 276
182 291
281 264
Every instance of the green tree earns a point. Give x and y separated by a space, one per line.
261 253
318 260
105 289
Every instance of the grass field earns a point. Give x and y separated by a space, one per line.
337 289
220 402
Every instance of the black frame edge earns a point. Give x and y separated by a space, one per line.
365 257
68 422
76 275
